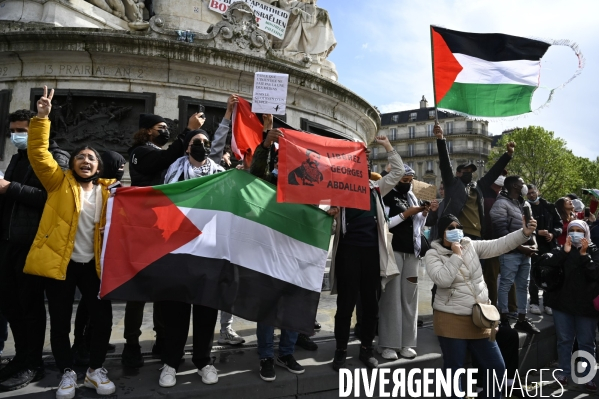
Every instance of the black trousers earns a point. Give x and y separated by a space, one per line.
83 327
357 272
176 318
60 294
134 316
22 303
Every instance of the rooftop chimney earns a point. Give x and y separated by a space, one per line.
423 103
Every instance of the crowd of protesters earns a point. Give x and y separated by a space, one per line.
485 237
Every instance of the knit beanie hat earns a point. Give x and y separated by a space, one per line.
444 223
147 121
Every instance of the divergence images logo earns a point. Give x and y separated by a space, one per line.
578 369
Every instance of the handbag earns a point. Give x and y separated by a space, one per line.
484 315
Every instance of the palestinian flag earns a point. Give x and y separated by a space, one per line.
485 74
221 241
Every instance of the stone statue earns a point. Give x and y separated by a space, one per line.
309 31
128 10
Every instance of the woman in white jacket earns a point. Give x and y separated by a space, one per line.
453 263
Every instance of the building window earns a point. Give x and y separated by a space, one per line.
450 147
393 134
410 150
484 129
412 131
470 144
429 149
412 116
431 114
375 151
429 130
395 118
375 168
469 126
429 166
448 127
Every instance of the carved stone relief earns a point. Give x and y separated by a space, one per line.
5 96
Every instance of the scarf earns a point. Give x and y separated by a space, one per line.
182 166
418 221
583 225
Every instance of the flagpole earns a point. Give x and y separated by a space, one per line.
433 71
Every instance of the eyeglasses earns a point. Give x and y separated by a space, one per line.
83 157
455 227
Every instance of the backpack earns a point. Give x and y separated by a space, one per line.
546 276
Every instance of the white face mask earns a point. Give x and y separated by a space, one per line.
524 191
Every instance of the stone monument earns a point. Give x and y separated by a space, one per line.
110 60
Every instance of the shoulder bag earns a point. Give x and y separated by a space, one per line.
484 315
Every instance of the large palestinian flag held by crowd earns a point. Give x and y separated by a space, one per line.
222 241
487 74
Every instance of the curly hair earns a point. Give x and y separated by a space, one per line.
141 137
21 115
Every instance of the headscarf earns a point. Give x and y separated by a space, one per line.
583 225
444 223
500 181
408 171
112 163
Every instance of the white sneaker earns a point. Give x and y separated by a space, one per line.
168 377
534 309
388 353
208 374
548 310
408 352
68 383
229 336
98 379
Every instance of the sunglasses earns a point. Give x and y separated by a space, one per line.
455 227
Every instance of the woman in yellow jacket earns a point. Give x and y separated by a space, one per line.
66 249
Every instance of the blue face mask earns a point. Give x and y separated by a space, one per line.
454 235
535 201
19 140
576 237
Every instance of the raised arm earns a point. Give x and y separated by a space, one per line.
220 136
493 173
444 162
390 180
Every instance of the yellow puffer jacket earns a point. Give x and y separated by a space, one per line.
53 245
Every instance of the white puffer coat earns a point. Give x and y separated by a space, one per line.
448 270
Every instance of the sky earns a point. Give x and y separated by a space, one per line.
383 55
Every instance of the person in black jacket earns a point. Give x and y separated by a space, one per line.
465 197
574 315
148 164
549 227
22 199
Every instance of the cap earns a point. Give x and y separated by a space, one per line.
147 121
500 181
470 165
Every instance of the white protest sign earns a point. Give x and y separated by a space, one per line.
270 19
270 93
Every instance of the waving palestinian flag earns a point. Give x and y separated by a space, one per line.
221 241
487 74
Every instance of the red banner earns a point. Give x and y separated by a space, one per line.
322 171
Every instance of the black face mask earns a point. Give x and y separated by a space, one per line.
119 175
466 177
198 152
86 179
403 188
163 136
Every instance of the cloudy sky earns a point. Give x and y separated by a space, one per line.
383 54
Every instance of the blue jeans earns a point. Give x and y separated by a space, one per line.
568 327
3 331
514 268
485 352
265 335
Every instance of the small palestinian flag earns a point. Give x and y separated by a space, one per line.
487 74
221 241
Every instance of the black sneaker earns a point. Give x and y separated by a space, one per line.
317 326
526 326
339 359
367 357
267 369
18 380
303 341
9 370
132 357
289 362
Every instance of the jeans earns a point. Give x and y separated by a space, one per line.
226 320
358 276
60 294
486 354
265 335
515 268
568 327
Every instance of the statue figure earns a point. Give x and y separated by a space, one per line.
309 31
128 10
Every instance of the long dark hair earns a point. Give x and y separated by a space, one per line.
141 137
96 154
560 205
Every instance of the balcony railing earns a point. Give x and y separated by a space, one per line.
426 152
424 135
